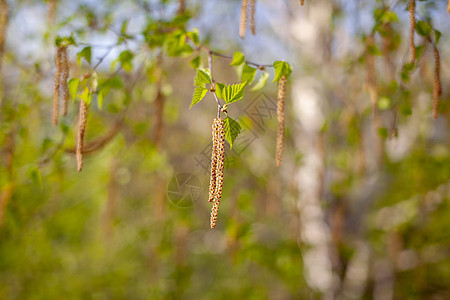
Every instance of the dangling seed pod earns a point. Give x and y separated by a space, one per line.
217 166
412 29
252 16
280 115
437 87
243 24
64 77
57 83
81 134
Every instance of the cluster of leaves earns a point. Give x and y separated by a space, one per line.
232 93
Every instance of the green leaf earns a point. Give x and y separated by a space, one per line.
233 92
34 173
86 96
382 132
373 50
193 35
219 89
384 103
232 130
86 53
281 69
261 81
238 58
437 36
423 28
195 62
199 93
64 41
248 74
202 77
73 87
126 60
100 99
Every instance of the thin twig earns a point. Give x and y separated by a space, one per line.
213 87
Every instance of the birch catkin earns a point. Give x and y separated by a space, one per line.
437 87
252 16
57 84
280 115
302 2
64 78
3 23
412 29
448 6
243 23
217 166
212 183
81 134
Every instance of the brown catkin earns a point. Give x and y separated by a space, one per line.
3 23
212 183
437 87
412 29
217 166
181 7
81 134
252 16
220 159
448 6
51 11
57 84
302 2
280 115
243 23
64 77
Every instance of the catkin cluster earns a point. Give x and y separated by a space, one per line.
60 82
412 29
81 134
280 115
217 165
244 17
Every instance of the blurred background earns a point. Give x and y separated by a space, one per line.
359 208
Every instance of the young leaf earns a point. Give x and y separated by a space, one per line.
248 74
202 77
423 28
238 58
232 130
219 89
86 53
100 99
233 92
195 62
73 87
199 93
86 96
34 173
261 81
437 35
281 69
126 60
193 35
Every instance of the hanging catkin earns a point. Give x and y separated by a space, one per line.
280 115
217 165
437 87
64 77
3 23
252 16
57 84
81 134
302 2
243 23
51 11
448 6
412 29
212 183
